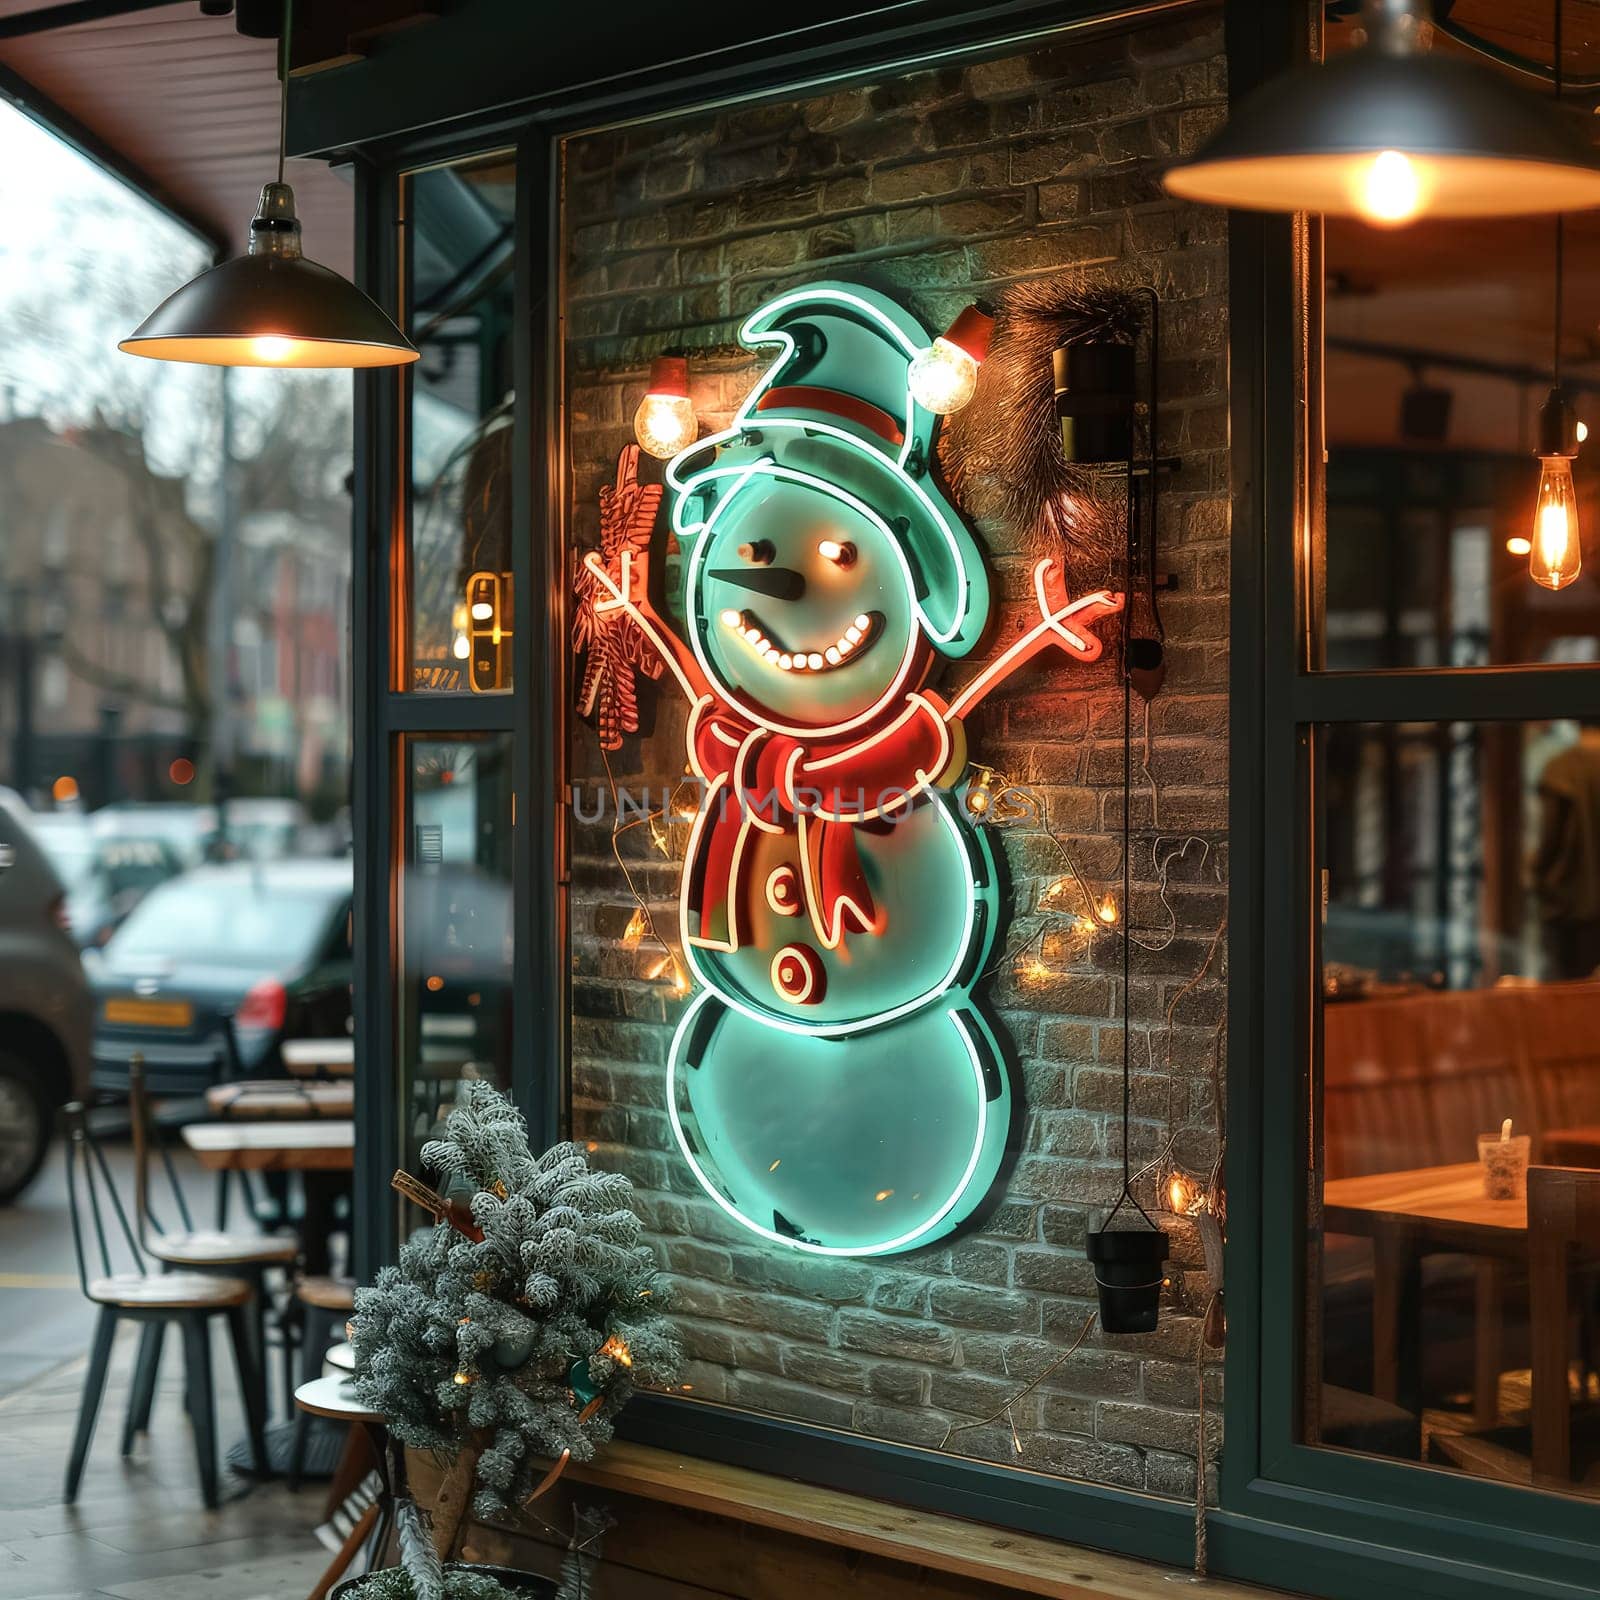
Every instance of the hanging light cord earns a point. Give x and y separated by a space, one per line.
1561 221
283 88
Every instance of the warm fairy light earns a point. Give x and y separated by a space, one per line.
883 1194
1107 910
1389 190
1178 1195
1083 922
1519 544
462 1378
616 1349
981 795
638 923
272 347
944 377
1557 554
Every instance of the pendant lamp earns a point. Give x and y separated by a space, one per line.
272 307
1389 133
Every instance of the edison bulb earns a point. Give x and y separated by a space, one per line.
1389 190
272 347
1557 554
664 424
942 378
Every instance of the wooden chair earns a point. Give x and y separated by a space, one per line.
189 1299
240 1255
1563 1223
326 1305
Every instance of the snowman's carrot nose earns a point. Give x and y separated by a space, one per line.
780 583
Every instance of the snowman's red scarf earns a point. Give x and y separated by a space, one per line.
821 788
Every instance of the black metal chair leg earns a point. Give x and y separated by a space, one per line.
142 1396
311 1353
224 1179
251 1386
197 1354
94 1384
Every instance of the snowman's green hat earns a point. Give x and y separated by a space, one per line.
836 404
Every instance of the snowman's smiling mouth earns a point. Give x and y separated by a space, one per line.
858 636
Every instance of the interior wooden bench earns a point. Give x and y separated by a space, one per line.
687 1527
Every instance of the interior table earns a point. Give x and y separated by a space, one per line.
286 1098
1422 1212
1571 1147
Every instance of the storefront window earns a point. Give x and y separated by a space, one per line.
460 425
456 926
1459 1095
794 1182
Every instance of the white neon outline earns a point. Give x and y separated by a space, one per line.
840 1030
924 781
904 1240
702 816
829 936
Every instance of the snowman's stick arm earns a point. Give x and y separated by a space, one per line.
677 655
1049 629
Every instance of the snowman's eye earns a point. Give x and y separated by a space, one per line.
760 553
841 553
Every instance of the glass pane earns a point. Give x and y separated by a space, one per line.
793 1182
1458 1102
1438 358
456 927
460 311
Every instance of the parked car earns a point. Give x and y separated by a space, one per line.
263 943
186 829
45 1010
105 876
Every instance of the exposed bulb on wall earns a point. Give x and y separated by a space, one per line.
944 377
1555 556
665 422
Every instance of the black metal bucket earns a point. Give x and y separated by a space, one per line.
1128 1276
528 1583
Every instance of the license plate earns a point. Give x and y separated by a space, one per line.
150 1013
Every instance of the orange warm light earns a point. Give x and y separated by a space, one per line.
65 788
268 350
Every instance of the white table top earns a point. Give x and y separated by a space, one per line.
332 1397
325 1133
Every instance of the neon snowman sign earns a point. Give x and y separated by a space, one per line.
834 1085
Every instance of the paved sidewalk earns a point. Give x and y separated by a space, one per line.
139 1530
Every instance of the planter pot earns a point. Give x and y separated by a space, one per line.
1127 1274
523 1583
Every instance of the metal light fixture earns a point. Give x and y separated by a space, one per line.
272 307
1390 133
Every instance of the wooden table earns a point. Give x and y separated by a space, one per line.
1423 1212
325 1145
265 1098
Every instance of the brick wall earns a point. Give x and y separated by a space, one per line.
941 186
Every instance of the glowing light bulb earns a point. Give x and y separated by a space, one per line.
462 647
1389 190
1108 910
1557 554
1581 431
942 378
481 610
1519 544
272 347
1178 1194
665 422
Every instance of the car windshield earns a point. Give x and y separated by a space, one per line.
226 922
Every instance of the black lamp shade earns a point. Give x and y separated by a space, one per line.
270 311
271 308
1477 144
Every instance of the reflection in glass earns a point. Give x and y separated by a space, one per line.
1453 1285
460 435
455 917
